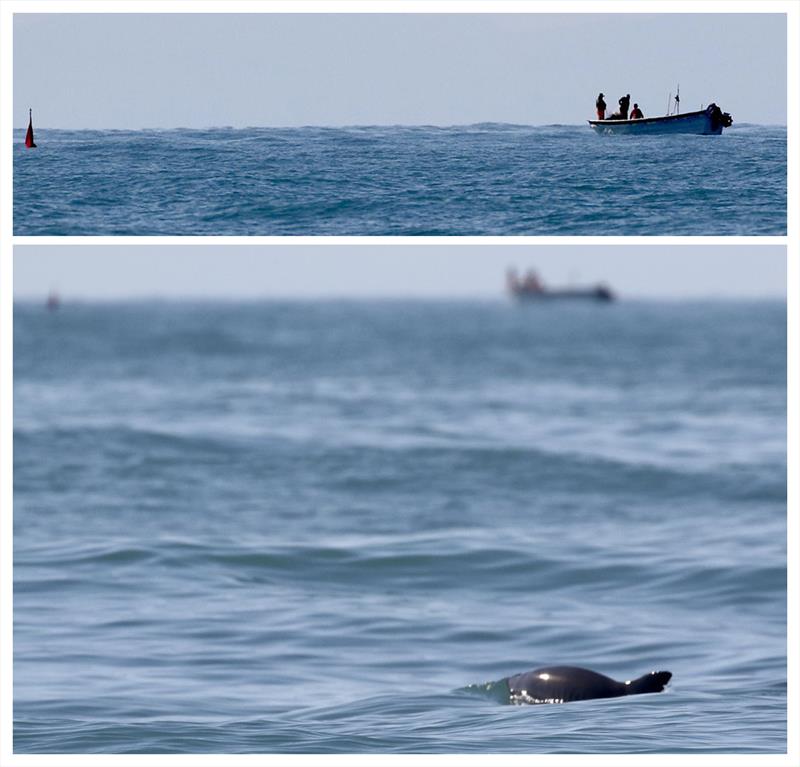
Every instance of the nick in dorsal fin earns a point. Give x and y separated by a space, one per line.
655 681
29 135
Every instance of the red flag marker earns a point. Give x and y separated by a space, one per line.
29 135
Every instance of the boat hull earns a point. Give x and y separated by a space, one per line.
599 293
699 123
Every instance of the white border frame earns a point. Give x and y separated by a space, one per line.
7 241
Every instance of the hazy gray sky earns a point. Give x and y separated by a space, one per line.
203 70
373 271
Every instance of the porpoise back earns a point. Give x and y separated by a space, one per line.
562 684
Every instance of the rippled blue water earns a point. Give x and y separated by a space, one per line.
308 527
473 180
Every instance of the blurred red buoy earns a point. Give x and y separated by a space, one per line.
29 135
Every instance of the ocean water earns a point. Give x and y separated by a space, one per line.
322 526
488 179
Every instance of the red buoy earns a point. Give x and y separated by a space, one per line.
29 135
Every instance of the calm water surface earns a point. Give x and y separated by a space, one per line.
309 527
490 179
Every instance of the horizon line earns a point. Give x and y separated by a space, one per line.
438 297
741 124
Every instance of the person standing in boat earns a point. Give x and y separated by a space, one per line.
531 283
601 107
624 104
636 113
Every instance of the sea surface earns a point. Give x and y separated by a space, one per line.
326 526
488 179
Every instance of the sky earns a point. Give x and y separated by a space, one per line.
204 70
108 272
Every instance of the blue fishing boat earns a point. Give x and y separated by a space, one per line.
530 288
706 122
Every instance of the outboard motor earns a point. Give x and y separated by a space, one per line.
719 119
603 293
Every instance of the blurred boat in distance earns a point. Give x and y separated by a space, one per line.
531 288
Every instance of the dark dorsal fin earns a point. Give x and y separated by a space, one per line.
652 682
